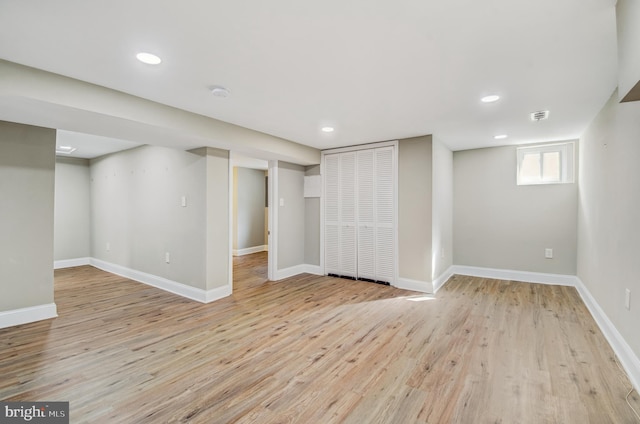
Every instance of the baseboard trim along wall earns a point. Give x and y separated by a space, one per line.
69 263
628 359
27 315
250 250
511 275
414 285
193 293
623 351
442 279
281 274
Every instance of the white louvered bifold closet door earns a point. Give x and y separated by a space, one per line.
348 236
332 214
366 216
359 218
384 176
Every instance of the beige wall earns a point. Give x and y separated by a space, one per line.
498 224
312 223
27 164
627 18
415 208
72 217
291 216
608 229
136 209
442 209
249 210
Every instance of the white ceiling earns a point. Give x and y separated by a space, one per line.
90 146
374 69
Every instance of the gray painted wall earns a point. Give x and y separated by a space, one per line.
312 223
248 195
72 217
27 166
627 18
291 216
501 225
608 230
442 209
415 208
136 209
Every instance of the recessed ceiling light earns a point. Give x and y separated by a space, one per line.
65 150
490 99
148 58
327 129
219 91
500 136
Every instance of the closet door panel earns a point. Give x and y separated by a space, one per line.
348 230
332 214
384 214
366 215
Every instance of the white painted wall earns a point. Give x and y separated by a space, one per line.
498 224
27 164
72 217
608 229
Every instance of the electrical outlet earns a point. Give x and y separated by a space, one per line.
627 299
548 253
108 247
167 257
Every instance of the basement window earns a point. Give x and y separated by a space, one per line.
546 164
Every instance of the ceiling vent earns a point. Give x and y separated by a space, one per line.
539 115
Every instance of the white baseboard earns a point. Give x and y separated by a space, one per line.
193 293
27 315
250 250
69 263
296 270
507 274
414 285
442 279
625 354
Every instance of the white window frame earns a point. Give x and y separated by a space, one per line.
567 162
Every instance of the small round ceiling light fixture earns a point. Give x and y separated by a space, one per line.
327 129
500 136
490 98
219 91
148 58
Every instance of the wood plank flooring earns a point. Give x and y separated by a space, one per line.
313 349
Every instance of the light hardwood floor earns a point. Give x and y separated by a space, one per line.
313 349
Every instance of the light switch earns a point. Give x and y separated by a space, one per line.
184 201
281 201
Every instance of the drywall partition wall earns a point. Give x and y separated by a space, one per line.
442 210
498 224
249 194
65 103
137 217
72 217
608 229
27 163
217 255
627 18
291 215
312 223
415 210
